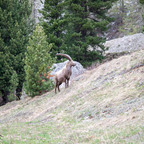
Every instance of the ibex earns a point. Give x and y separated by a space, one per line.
64 74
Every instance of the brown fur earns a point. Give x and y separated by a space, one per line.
64 74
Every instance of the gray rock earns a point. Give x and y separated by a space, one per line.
126 44
37 5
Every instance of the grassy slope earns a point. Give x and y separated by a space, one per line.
104 105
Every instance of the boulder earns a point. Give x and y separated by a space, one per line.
126 44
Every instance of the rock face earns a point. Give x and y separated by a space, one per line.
126 44
76 70
37 5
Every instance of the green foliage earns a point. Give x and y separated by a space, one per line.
5 72
8 77
37 63
15 27
86 19
13 81
73 26
53 23
141 1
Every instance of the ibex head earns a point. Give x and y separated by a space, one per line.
71 62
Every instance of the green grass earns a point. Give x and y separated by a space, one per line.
74 132
29 133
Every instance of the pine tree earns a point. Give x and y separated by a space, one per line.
87 19
37 63
8 77
15 27
74 27
53 23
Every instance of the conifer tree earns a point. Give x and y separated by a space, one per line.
37 63
87 20
53 23
74 26
8 77
15 28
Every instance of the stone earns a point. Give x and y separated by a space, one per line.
126 44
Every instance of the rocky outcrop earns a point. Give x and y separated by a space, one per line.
126 44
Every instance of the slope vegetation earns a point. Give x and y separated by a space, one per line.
103 105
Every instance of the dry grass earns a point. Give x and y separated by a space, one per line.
104 105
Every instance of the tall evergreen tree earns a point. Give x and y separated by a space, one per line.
74 26
8 77
37 63
15 28
87 20
53 23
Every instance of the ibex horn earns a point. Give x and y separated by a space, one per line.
66 56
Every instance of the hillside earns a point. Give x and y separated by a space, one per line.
103 105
